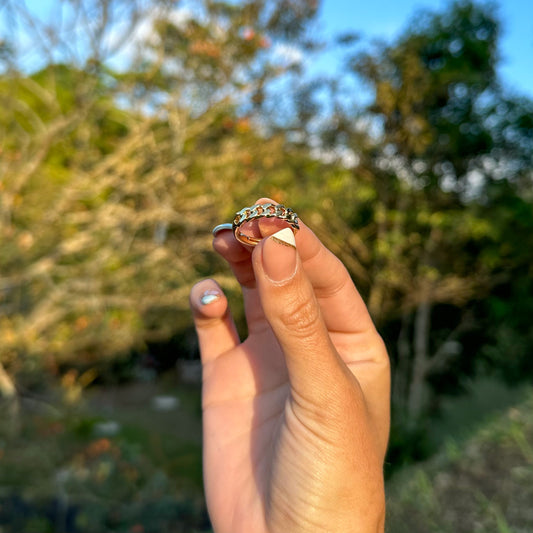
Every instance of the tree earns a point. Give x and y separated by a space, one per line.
443 135
113 175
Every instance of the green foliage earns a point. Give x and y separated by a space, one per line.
483 484
509 352
145 477
440 165
112 178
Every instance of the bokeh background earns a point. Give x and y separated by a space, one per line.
129 128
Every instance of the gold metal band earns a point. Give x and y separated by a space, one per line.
247 214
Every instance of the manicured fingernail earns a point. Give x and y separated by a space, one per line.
210 296
279 255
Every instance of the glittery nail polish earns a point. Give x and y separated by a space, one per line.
209 297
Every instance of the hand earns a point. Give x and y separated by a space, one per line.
296 417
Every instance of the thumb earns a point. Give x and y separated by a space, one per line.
316 371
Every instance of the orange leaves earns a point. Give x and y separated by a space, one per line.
248 34
208 48
243 125
81 323
205 48
99 447
265 42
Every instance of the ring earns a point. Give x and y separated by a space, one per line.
221 227
247 214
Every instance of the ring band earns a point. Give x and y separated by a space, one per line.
247 214
221 227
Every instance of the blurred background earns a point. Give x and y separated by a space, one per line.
129 128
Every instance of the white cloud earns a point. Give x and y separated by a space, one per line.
287 54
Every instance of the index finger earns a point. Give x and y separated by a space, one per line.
343 308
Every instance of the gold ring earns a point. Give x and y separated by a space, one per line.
247 214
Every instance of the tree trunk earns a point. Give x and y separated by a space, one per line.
7 387
417 390
9 402
377 291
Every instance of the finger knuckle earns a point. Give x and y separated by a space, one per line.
300 315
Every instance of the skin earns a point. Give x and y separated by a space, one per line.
295 417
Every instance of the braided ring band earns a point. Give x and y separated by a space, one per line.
257 211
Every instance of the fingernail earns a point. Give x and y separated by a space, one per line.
209 297
279 256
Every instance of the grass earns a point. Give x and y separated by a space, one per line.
462 416
481 483
59 473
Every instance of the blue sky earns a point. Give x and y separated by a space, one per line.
387 18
